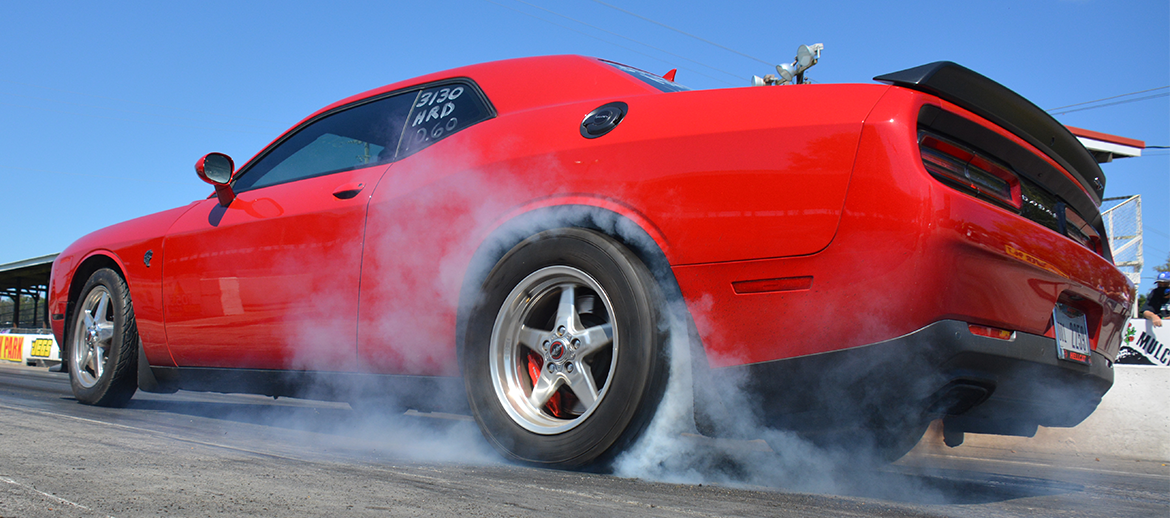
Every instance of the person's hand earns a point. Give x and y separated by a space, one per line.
1152 317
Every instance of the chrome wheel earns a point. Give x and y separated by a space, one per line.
553 350
103 342
562 355
92 338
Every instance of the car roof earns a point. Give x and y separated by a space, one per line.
525 83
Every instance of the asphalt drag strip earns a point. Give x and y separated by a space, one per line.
201 454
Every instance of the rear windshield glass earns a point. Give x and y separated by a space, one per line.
656 81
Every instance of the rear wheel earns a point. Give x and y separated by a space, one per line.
103 343
563 358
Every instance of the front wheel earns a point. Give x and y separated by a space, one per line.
563 359
103 342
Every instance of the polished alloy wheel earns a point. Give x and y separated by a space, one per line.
92 337
553 350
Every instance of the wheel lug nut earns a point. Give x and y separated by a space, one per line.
560 330
569 368
544 346
576 343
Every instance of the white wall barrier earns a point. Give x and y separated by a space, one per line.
29 349
1145 344
1132 421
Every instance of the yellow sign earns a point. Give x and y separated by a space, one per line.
42 347
12 348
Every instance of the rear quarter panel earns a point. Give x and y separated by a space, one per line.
719 175
724 174
909 251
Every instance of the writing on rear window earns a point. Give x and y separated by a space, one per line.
439 111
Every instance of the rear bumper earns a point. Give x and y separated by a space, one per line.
981 384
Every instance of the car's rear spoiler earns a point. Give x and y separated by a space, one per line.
1011 111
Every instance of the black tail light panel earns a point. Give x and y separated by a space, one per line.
971 158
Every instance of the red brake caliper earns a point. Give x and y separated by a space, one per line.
535 364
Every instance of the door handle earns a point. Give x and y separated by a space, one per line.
347 191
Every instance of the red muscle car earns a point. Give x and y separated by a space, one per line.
529 239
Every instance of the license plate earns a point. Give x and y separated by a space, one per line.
1072 334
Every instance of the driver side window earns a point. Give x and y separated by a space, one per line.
359 136
368 134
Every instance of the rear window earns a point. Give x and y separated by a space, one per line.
439 111
654 80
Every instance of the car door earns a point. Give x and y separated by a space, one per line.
271 280
418 232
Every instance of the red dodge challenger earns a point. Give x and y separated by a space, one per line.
531 240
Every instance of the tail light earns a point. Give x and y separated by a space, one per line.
967 170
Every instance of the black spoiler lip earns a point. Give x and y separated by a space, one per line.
988 99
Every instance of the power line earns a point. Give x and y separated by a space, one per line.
1115 103
632 40
583 33
1108 98
709 42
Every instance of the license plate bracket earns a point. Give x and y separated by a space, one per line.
1072 334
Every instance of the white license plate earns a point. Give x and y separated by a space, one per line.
1072 334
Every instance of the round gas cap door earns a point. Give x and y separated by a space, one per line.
603 119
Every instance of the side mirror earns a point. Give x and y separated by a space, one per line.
217 169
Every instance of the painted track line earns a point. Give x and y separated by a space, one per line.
56 498
1154 476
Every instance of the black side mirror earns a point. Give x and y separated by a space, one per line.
217 169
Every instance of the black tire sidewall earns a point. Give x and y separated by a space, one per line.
636 381
118 381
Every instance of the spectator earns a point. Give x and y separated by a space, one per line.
1156 302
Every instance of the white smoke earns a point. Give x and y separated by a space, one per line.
671 449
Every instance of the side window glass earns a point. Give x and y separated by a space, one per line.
364 135
439 111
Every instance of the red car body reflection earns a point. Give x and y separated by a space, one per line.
794 222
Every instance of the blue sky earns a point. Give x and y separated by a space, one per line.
106 106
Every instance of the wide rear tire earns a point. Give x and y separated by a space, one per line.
563 358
